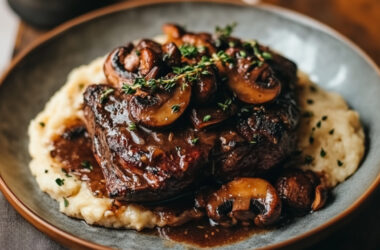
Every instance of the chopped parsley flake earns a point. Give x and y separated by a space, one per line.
226 31
324 118
311 139
86 164
319 123
59 181
66 173
243 54
339 163
206 118
132 126
308 114
175 108
266 55
308 159
42 124
313 88
309 101
224 106
194 140
105 95
138 52
65 202
46 171
331 132
323 153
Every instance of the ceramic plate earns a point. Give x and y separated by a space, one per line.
36 74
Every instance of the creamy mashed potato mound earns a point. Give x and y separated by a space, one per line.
346 144
331 136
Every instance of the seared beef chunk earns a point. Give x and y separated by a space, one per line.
195 107
140 164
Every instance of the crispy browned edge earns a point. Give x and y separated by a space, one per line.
74 242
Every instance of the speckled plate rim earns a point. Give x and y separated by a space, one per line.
72 241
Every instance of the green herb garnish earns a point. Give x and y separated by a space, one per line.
308 114
175 108
309 101
331 132
226 31
188 51
324 118
105 95
60 182
311 139
42 124
132 126
323 153
308 159
66 173
224 106
86 164
65 202
194 140
206 118
339 163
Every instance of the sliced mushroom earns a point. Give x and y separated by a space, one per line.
301 191
257 87
173 32
161 108
124 64
148 59
172 55
246 200
114 66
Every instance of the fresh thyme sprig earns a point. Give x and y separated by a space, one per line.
190 73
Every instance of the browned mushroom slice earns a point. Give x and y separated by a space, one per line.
148 59
172 55
245 199
321 194
300 191
259 86
114 66
173 32
160 109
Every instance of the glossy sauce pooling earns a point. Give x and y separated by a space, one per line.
202 234
73 150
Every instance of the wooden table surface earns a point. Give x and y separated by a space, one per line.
358 20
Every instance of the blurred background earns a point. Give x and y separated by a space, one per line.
23 21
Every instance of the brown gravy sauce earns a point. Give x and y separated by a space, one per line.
72 149
201 234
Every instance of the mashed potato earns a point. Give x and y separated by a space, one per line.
339 135
331 136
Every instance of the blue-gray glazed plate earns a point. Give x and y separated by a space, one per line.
33 77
